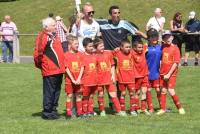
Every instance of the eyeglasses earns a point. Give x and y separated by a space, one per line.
91 12
116 13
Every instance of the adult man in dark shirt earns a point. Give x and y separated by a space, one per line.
115 30
192 39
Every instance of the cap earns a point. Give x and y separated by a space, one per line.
166 32
192 15
58 18
152 33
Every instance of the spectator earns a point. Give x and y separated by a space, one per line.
157 22
177 28
87 27
8 28
49 58
115 30
192 40
61 32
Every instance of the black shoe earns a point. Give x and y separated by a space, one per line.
196 63
50 117
111 106
185 64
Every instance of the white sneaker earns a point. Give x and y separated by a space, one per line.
181 111
134 113
102 113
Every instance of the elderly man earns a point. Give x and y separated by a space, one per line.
87 26
49 58
8 28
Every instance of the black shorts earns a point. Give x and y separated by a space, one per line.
192 43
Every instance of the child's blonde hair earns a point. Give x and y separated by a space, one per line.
71 38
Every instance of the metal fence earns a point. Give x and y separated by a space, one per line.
16 44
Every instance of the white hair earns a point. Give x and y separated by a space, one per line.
157 10
47 22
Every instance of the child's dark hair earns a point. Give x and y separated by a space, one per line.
97 41
135 43
113 7
124 42
86 41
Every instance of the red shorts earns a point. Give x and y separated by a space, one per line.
168 84
109 88
88 90
71 88
154 83
129 86
141 82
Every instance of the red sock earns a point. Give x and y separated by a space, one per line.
143 105
122 103
132 104
85 106
79 108
137 103
176 101
90 105
149 100
163 101
68 108
101 103
116 104
158 97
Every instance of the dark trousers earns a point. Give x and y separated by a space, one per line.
51 93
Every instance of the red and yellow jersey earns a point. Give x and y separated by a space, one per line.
90 70
73 61
104 65
125 67
140 64
170 55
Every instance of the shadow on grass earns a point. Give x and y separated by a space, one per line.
37 114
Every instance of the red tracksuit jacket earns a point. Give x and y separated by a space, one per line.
48 54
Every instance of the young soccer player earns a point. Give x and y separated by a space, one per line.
106 77
141 78
153 58
125 73
89 77
74 69
168 72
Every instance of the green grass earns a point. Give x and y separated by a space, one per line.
28 13
21 98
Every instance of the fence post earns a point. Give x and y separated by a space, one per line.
16 50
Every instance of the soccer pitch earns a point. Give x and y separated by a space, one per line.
21 99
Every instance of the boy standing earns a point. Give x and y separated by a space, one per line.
168 72
74 69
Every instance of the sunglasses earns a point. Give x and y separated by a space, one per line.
91 12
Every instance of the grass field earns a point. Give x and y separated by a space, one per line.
28 13
21 98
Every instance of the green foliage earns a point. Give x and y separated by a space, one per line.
27 14
21 102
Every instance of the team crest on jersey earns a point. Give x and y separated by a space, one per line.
91 67
165 57
103 66
75 66
126 64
